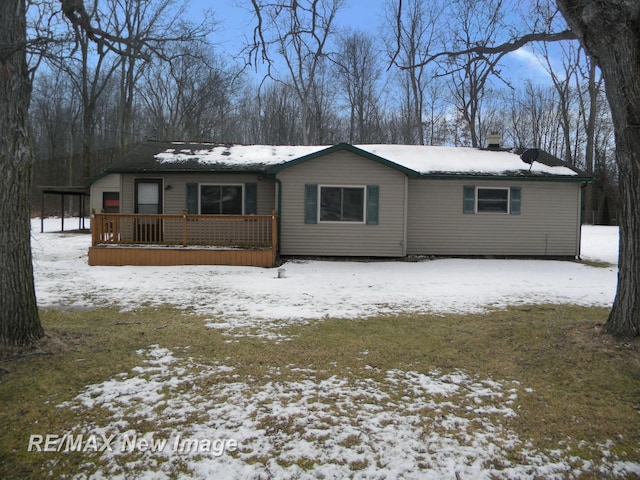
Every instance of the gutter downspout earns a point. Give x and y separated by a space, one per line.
406 215
279 210
580 219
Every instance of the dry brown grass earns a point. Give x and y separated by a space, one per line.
585 386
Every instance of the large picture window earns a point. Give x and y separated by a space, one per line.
342 204
221 199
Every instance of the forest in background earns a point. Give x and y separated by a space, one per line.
304 81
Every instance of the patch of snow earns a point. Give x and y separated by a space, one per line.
408 425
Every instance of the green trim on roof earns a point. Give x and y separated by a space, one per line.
92 180
510 178
346 147
165 171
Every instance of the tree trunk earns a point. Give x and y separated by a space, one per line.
19 320
610 34
589 148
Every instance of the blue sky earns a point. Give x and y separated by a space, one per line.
236 25
236 22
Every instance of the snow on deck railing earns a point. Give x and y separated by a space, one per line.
184 230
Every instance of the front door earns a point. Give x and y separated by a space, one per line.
149 195
148 201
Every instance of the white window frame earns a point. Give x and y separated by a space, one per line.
507 212
214 184
343 222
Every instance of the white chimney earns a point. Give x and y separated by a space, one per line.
493 140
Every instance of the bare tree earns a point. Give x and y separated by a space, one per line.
323 118
475 23
588 87
415 36
435 112
358 73
55 118
563 83
90 68
299 31
279 114
188 98
19 319
148 29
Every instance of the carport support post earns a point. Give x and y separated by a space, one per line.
42 213
62 210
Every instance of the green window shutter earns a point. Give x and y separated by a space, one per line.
250 198
311 203
373 194
192 198
469 199
516 200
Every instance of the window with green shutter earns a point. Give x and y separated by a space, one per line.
343 204
492 199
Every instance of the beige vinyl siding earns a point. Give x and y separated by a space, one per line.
175 197
342 168
109 183
548 223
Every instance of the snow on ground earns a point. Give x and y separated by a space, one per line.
401 424
239 297
408 425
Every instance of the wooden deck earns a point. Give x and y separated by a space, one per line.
183 239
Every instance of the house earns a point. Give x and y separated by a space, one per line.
341 200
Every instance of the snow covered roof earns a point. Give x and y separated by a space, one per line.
414 160
236 155
430 160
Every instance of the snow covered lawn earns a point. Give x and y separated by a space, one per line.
249 297
393 423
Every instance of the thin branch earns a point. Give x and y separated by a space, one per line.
503 48
398 35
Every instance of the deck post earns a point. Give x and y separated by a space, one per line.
94 228
184 227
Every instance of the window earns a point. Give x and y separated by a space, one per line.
111 202
148 195
495 200
342 204
491 200
221 199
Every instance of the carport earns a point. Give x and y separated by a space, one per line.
63 192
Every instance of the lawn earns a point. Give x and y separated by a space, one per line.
526 392
441 368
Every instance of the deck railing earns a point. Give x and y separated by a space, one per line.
245 231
